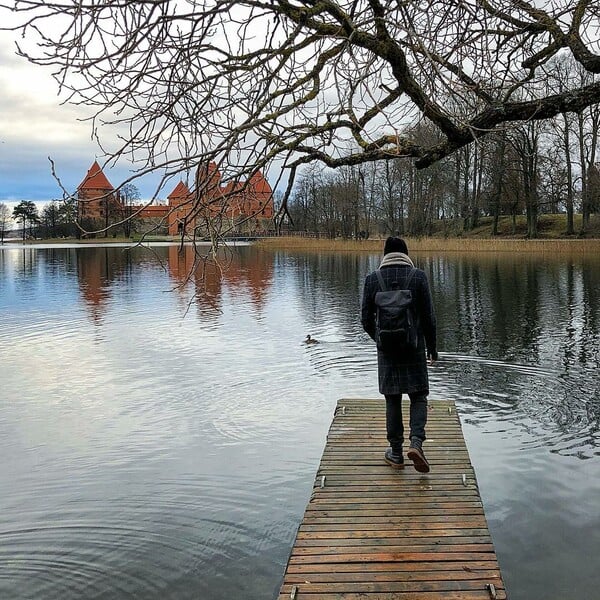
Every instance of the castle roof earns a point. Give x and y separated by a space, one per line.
95 179
181 190
260 184
233 186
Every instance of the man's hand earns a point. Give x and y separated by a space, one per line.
432 357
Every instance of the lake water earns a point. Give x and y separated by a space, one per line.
160 439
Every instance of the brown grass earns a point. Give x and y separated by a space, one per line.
449 237
479 245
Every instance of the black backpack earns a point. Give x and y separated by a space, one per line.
396 322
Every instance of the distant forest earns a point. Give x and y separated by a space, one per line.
535 168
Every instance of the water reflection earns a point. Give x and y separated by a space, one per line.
247 272
161 426
520 329
542 314
97 270
197 281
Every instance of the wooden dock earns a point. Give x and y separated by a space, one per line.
370 532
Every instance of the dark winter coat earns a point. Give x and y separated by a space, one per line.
404 373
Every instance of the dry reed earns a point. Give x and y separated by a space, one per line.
477 245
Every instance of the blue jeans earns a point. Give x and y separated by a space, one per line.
393 418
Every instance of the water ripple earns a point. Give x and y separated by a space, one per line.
161 441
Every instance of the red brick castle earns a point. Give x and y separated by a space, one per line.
244 206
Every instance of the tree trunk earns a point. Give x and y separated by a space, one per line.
500 174
570 203
477 181
531 197
465 191
585 217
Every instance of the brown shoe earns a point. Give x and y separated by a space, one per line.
415 453
394 459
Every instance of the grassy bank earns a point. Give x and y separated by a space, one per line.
549 227
449 237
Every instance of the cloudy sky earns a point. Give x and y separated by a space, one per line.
34 126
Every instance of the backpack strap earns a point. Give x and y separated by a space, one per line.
409 278
382 283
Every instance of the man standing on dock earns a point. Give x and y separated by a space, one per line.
398 314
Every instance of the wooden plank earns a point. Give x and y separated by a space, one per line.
426 567
394 586
432 530
460 595
395 556
376 533
428 574
436 521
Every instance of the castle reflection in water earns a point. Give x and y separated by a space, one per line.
100 271
197 282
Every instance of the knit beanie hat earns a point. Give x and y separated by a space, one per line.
395 244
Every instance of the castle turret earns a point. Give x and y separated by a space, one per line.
95 194
180 206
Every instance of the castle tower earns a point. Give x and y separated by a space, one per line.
260 197
95 195
234 201
180 206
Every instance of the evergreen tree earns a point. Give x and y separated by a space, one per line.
26 212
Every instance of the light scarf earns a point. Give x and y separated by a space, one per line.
396 259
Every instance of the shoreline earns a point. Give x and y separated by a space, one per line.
579 246
100 243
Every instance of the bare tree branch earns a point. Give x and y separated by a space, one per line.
271 84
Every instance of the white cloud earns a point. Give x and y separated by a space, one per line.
34 125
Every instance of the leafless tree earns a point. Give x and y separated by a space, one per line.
393 193
259 83
560 71
5 220
129 196
498 168
588 128
554 182
593 188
